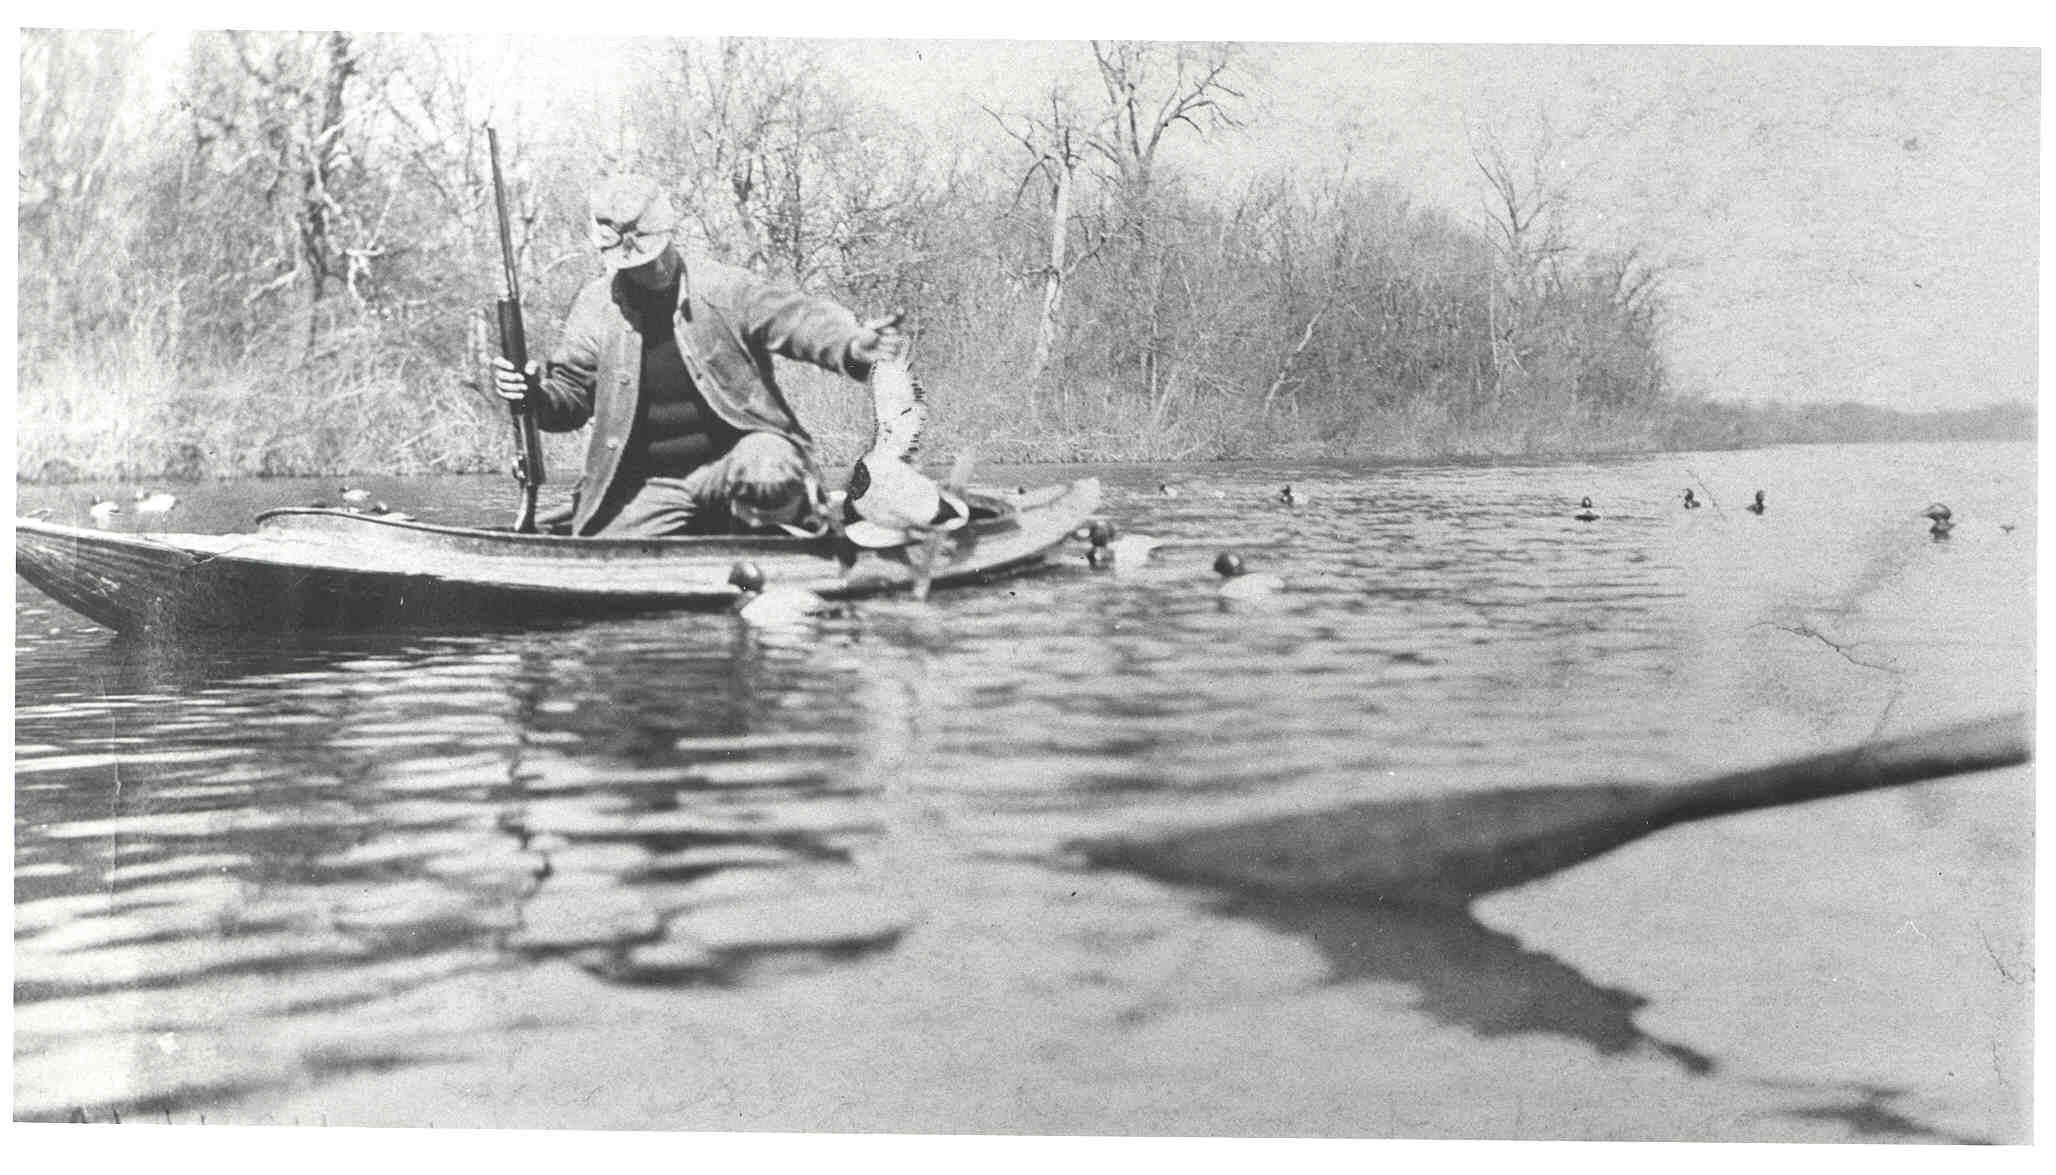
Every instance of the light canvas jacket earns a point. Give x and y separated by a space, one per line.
729 323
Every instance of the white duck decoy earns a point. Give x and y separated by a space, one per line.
155 501
1112 552
353 496
772 606
889 502
103 511
1239 583
1133 550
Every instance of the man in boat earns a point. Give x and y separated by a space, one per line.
672 367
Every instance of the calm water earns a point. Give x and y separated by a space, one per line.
676 873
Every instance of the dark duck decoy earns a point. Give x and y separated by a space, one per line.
1938 515
1756 507
1585 512
1691 503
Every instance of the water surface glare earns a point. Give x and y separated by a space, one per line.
676 872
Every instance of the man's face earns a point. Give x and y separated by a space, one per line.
658 273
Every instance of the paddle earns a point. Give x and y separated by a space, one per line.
931 545
1447 850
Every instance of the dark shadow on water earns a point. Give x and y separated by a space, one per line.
1872 1117
1467 975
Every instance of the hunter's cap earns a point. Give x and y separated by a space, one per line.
632 220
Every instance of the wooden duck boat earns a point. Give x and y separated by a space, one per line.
334 569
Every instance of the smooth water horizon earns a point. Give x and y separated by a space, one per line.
678 872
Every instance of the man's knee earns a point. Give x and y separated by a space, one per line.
766 482
765 458
765 455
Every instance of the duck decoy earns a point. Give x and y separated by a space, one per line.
1099 532
352 495
1756 507
747 576
1585 512
154 501
1166 489
1238 582
1288 497
1133 550
763 605
1938 515
103 511
1691 503
782 605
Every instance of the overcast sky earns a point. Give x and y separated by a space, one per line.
1848 223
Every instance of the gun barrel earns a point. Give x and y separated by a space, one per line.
492 142
528 455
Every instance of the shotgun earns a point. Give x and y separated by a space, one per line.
528 449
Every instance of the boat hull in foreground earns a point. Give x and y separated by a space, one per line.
330 569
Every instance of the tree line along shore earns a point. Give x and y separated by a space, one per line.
278 259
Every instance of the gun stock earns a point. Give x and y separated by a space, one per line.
528 453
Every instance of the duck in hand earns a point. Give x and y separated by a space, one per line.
889 502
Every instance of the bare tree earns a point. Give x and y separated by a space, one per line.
1056 141
1151 90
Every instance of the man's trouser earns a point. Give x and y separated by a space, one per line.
763 479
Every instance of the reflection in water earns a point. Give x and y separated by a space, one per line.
259 867
366 817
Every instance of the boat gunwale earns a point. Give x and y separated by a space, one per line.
1010 544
